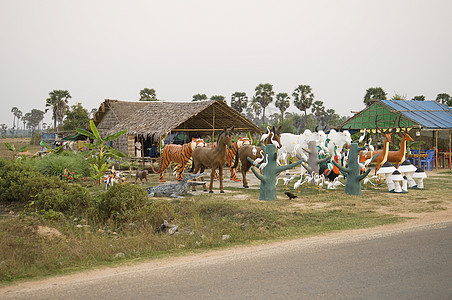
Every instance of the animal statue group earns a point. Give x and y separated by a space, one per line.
329 144
179 154
256 153
175 190
394 157
213 158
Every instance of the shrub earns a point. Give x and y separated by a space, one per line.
23 183
68 198
121 203
54 164
14 177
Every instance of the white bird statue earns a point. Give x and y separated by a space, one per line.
265 135
259 159
264 164
361 138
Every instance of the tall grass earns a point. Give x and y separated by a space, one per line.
54 164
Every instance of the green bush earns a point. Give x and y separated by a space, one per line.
69 198
54 164
121 203
23 183
13 179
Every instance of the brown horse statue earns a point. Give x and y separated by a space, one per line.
255 152
213 158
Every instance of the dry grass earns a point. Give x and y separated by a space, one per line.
31 247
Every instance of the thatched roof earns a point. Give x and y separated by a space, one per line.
121 109
158 118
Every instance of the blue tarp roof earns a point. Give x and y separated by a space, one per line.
428 114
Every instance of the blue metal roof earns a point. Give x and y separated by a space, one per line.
428 114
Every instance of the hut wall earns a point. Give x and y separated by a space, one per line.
130 145
109 121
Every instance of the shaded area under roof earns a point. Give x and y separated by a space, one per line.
158 118
425 114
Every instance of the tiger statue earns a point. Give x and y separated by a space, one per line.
179 154
230 155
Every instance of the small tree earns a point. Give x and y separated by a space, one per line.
239 101
264 95
218 98
444 99
99 153
199 97
148 95
419 98
374 93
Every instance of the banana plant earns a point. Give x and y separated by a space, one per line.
99 152
13 149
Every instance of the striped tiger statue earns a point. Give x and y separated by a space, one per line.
179 154
230 155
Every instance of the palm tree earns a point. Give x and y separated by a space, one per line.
302 99
148 95
374 93
239 101
264 95
282 103
255 107
19 116
14 112
58 101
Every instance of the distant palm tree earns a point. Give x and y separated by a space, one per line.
282 103
264 95
376 93
58 102
239 101
14 112
19 116
302 99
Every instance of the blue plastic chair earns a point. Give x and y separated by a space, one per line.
428 160
413 160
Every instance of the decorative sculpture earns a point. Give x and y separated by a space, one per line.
175 190
386 170
407 169
179 154
313 163
419 176
397 178
213 158
272 137
353 171
270 170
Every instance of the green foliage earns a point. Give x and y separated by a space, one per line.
76 117
23 183
120 203
14 179
148 94
199 97
374 93
54 164
53 194
99 153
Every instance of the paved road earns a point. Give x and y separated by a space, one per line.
407 264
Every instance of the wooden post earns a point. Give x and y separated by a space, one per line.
213 123
419 155
450 150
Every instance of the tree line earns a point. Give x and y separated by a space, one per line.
67 117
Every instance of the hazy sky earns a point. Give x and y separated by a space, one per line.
113 49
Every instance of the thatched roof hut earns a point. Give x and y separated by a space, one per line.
159 118
153 120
